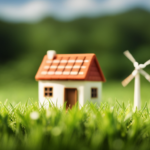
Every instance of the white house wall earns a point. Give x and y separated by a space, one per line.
87 91
83 91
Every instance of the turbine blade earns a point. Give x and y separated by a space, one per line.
129 56
127 80
147 63
145 74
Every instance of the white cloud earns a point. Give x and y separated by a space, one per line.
31 11
79 5
67 9
75 8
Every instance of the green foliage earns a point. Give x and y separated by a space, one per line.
115 127
22 46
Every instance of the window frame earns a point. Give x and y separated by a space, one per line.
48 91
96 92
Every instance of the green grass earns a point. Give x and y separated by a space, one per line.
26 126
115 91
19 92
112 125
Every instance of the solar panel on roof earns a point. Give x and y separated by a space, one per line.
77 65
65 66
69 65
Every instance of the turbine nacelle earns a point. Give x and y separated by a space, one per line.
136 65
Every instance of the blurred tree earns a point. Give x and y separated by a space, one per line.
107 37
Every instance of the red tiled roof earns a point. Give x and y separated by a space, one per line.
70 67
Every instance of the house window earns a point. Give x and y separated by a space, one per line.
94 93
48 91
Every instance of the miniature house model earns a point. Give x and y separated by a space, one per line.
69 79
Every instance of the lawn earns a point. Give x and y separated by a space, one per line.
112 125
115 91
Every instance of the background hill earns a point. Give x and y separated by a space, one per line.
22 46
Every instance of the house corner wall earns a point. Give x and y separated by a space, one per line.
58 94
87 93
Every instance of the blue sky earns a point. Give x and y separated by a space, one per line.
34 10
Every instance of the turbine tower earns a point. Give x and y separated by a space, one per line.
136 74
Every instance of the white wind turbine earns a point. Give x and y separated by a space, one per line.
136 73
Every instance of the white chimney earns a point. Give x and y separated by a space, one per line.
51 54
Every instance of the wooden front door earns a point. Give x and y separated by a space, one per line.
70 97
